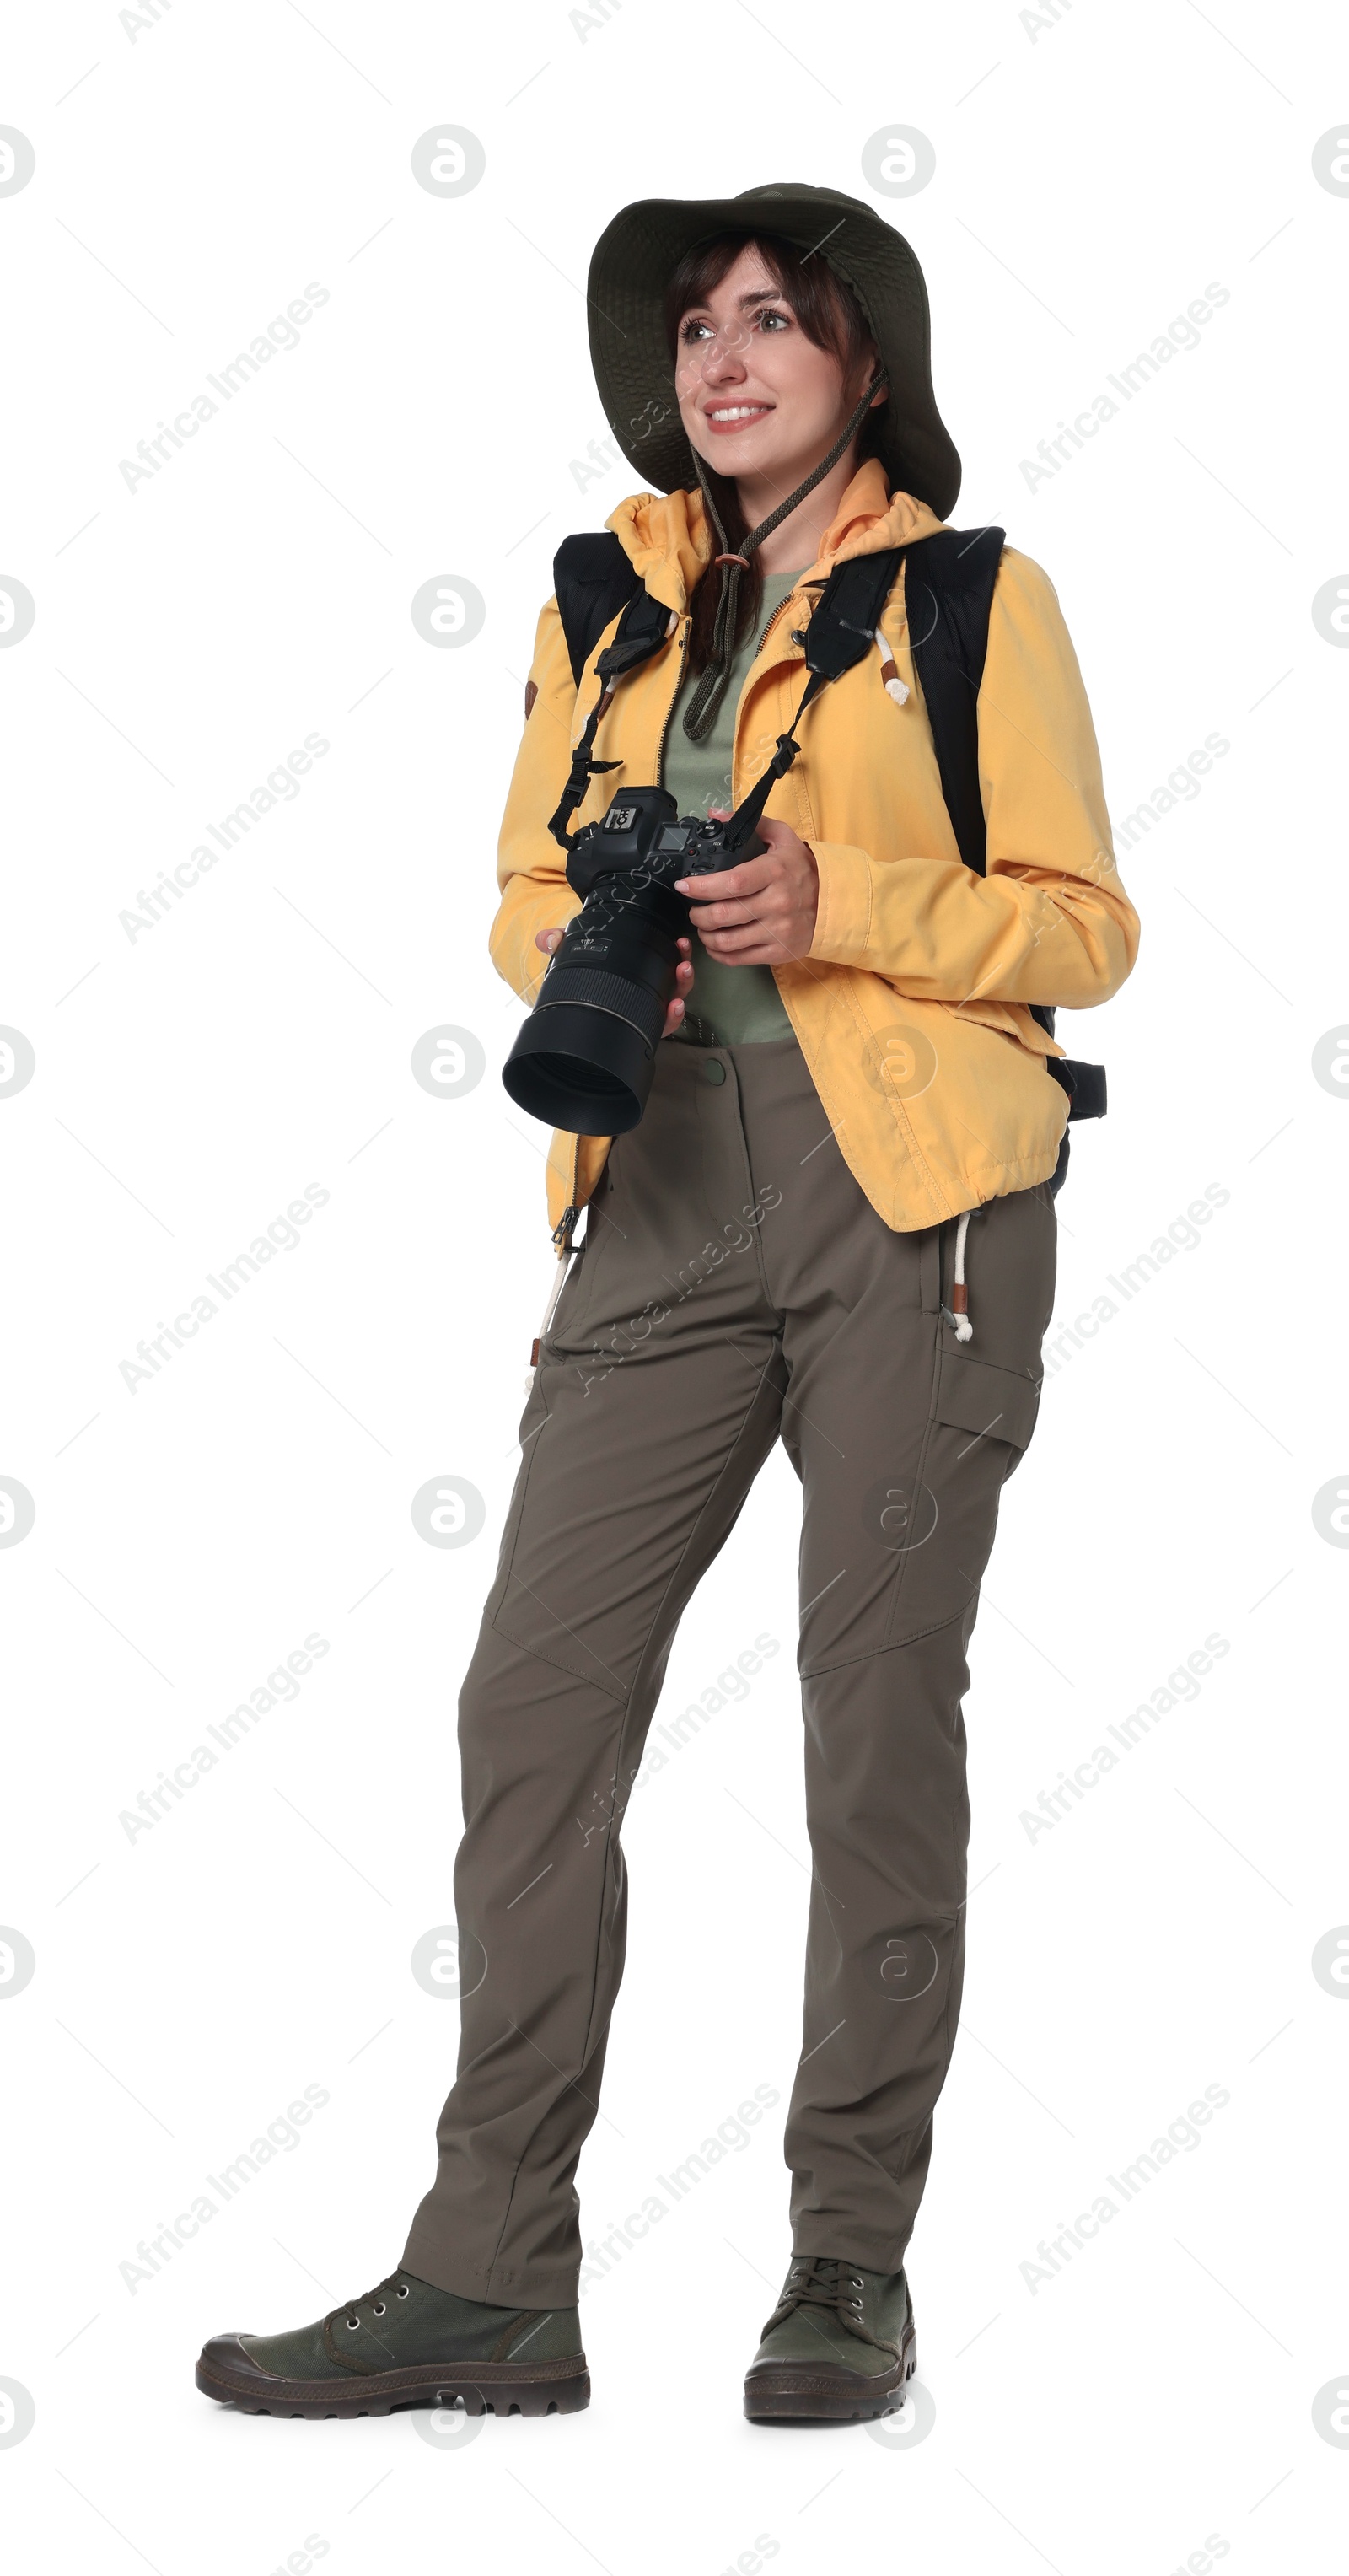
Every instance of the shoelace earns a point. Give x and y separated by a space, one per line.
818 2281
347 2318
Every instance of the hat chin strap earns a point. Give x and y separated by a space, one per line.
702 709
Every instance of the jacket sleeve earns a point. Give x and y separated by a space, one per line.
1050 921
531 865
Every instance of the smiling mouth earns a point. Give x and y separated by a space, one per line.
736 415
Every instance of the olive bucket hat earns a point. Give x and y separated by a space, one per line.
631 269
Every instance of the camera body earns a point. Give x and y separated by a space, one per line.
585 1056
645 840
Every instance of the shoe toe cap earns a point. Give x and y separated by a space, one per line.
227 2355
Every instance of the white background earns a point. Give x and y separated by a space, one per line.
1093 173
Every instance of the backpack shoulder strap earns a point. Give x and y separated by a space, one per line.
593 578
948 589
949 599
640 632
847 613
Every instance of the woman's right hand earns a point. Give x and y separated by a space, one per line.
548 940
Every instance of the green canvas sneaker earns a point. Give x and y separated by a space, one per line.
405 2344
840 2343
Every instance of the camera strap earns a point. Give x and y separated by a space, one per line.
840 632
842 629
641 630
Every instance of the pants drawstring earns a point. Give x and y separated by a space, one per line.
960 1295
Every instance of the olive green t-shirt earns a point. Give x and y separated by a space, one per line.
729 1005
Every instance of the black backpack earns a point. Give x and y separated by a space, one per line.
949 589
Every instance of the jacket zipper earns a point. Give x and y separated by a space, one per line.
760 648
681 647
772 621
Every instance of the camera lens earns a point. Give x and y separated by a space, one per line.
585 1057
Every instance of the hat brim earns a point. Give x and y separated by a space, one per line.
631 269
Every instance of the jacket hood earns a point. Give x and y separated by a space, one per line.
670 544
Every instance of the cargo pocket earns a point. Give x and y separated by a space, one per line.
981 1424
997 1402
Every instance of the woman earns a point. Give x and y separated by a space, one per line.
851 1125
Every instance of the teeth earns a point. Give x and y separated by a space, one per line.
740 411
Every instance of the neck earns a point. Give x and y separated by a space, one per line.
796 543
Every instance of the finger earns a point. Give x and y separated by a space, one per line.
779 838
762 952
728 916
730 906
750 877
547 939
730 947
782 930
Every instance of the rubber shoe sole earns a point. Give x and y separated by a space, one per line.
802 2392
228 2374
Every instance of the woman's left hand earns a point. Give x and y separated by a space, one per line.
761 913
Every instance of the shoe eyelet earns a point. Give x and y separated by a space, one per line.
352 2324
854 2303
403 2292
379 2308
854 2283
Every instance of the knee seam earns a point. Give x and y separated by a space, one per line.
557 1662
869 1654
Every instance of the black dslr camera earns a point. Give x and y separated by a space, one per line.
585 1057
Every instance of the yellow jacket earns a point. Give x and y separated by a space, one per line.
911 1008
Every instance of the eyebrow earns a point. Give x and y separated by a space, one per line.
756 295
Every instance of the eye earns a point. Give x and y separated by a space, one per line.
691 329
773 314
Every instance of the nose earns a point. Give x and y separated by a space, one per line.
720 360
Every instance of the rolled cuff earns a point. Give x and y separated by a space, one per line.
843 920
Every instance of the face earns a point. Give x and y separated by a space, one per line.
756 397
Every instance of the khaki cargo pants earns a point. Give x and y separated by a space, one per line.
735 1286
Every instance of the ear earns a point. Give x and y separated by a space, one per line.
866 369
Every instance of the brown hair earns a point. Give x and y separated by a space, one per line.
830 315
